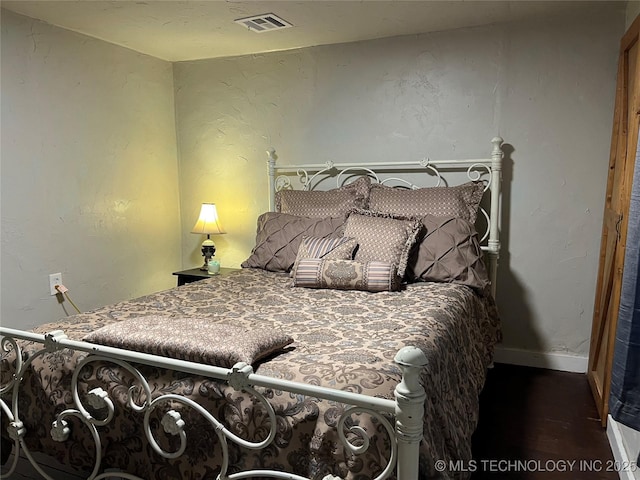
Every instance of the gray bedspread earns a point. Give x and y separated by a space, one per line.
342 339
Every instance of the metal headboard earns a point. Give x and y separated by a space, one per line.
409 174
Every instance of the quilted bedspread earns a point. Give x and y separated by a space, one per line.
342 339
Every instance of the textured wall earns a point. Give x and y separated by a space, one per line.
89 172
633 10
546 86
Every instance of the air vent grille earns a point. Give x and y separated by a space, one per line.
263 23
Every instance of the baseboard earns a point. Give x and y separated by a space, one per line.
620 452
550 360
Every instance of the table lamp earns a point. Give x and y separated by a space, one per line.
208 224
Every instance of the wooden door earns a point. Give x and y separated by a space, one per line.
624 140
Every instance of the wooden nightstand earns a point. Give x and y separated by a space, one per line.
195 274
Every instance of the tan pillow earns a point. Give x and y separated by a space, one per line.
448 252
328 247
196 339
330 203
382 237
279 235
346 275
461 201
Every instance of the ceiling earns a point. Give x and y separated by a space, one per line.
190 30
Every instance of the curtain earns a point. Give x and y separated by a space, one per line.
624 402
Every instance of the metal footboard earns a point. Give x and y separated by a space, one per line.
405 433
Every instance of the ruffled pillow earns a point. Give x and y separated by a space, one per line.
382 237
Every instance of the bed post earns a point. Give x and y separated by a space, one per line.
494 229
271 170
410 397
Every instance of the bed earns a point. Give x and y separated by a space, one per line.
338 350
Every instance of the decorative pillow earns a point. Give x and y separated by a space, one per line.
449 252
346 275
279 235
382 237
313 247
461 201
330 203
196 339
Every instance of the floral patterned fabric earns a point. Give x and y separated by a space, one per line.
343 339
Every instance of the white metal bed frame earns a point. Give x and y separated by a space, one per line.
407 408
476 169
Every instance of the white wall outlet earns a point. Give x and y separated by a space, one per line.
54 279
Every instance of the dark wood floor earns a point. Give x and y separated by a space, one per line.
544 417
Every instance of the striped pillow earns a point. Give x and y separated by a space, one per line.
327 247
346 275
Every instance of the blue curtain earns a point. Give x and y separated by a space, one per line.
624 402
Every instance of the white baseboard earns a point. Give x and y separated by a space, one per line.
620 455
550 360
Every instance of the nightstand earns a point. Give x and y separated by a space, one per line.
195 274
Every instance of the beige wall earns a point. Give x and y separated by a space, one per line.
546 86
89 172
633 10
89 155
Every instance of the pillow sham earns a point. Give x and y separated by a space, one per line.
328 247
460 201
196 339
382 237
330 203
279 236
448 252
346 275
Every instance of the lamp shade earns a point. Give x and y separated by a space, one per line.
208 221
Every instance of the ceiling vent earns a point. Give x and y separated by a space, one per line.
263 23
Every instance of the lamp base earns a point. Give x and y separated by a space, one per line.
208 251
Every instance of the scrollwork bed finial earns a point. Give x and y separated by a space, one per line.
51 340
271 161
16 430
60 431
271 175
238 377
98 399
172 423
497 153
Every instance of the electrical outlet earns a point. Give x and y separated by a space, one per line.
54 279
